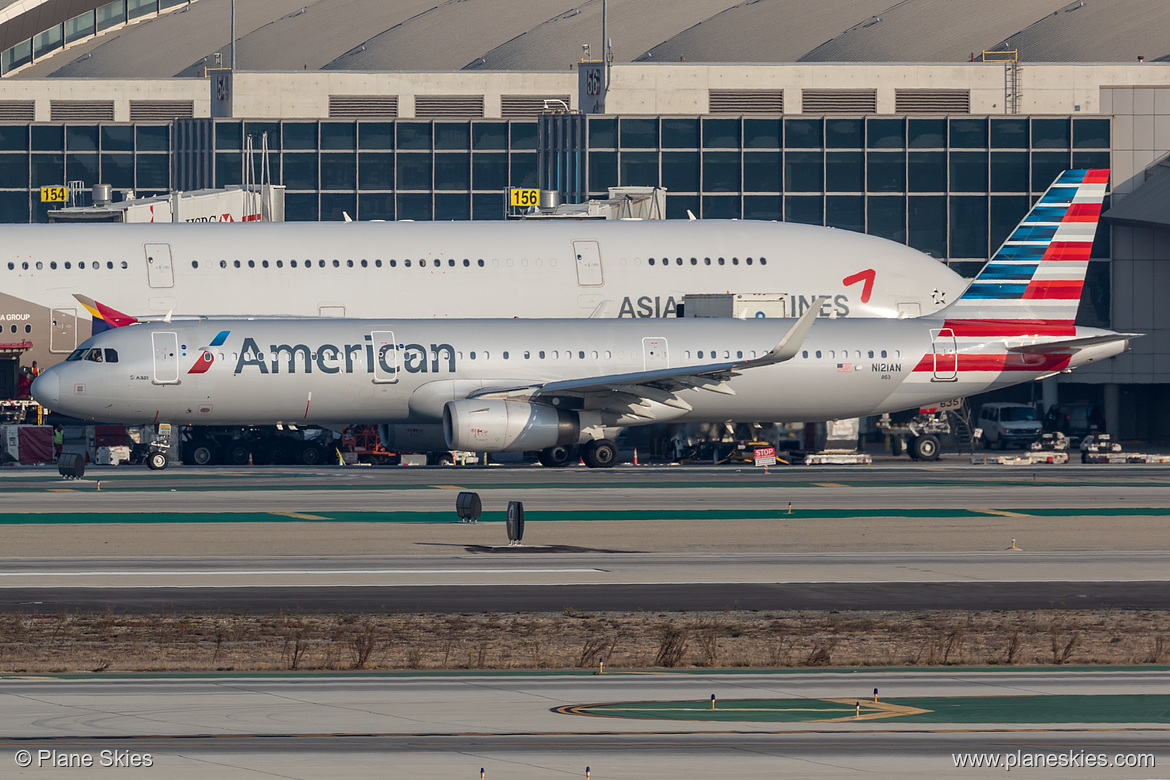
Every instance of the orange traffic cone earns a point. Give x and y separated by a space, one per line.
635 456
249 457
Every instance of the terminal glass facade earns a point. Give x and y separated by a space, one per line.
951 186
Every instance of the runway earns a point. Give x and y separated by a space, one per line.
454 725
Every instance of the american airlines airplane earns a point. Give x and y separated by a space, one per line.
440 269
561 385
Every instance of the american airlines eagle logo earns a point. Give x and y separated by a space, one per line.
206 357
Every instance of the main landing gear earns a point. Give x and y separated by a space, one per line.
597 454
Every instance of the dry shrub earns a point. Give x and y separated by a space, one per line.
672 647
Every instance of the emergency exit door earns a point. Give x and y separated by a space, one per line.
62 330
655 354
166 358
385 357
160 271
588 255
946 356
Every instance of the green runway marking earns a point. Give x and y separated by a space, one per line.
378 516
957 709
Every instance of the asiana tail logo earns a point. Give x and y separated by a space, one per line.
206 357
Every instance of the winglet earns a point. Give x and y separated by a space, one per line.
789 346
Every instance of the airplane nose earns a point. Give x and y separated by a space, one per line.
46 389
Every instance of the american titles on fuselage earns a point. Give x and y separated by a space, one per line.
334 359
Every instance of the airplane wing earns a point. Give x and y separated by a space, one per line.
652 394
1072 345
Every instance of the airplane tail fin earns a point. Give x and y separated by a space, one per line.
1038 273
104 317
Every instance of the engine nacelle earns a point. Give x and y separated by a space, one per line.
413 438
507 426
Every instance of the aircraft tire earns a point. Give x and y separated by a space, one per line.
201 453
925 447
897 446
156 461
600 454
278 455
237 455
310 455
557 457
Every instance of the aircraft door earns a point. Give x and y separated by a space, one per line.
63 330
655 353
946 356
588 254
160 271
166 357
386 361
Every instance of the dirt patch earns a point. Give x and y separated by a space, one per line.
108 641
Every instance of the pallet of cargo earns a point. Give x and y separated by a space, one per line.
1026 459
837 459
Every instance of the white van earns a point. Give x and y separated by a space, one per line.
1009 424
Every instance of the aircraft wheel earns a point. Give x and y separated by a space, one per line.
238 454
1002 443
440 459
202 453
925 447
156 461
557 457
600 454
897 446
310 455
278 455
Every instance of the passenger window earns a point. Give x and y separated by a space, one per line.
883 353
726 354
280 264
651 261
223 263
505 355
749 261
68 266
472 355
365 264
251 263
53 265
686 354
700 354
706 261
739 354
679 261
581 355
377 263
542 354
111 356
763 261
722 261
194 264
556 355
694 261
480 262
595 354
466 263
870 353
405 263
608 354
818 353
803 354
527 354
421 263
735 261
264 263
237 264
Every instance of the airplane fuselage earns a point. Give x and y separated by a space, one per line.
301 372
427 269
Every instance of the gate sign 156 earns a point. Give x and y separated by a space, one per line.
525 197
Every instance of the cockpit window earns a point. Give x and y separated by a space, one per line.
76 354
95 355
111 355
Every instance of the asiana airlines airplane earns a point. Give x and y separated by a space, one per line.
563 386
623 269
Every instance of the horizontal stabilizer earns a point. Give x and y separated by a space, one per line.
1072 345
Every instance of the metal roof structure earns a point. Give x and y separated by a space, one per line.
514 35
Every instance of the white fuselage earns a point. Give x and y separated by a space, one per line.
234 372
433 269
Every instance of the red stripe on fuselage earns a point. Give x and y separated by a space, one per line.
1012 361
1010 328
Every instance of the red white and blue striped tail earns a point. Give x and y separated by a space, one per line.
1038 273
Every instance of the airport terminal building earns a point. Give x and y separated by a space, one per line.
946 158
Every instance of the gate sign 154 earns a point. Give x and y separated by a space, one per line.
53 194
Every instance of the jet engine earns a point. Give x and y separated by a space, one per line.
507 426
